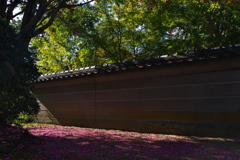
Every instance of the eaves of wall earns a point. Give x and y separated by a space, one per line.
221 58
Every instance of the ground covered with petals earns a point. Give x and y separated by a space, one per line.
10 137
53 142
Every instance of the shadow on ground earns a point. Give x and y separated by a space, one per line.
67 144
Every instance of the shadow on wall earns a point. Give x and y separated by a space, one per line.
200 98
44 116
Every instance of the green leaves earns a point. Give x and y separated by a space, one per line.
114 31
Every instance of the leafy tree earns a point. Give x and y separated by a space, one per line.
17 69
113 31
17 72
96 35
192 25
60 49
37 15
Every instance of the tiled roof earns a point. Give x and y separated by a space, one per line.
205 54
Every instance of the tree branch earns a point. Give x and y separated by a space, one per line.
76 5
17 14
11 7
28 14
3 6
48 24
35 14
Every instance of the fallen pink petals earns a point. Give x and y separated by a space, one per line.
71 143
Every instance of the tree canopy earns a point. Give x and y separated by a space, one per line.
36 15
113 31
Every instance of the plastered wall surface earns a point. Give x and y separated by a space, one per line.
200 98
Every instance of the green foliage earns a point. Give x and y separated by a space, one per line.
24 118
61 48
17 72
114 31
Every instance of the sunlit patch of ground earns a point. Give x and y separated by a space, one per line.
65 143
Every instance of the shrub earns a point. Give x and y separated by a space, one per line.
24 118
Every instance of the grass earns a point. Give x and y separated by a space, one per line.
55 142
